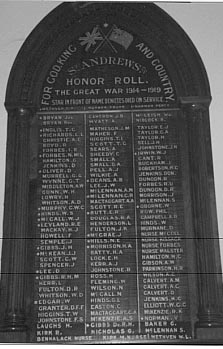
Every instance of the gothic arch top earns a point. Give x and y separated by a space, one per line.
157 31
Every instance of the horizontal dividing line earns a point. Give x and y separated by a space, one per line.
118 237
164 273
99 111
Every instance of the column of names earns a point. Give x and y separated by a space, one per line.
59 301
111 229
164 284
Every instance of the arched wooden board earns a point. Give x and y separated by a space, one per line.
110 221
